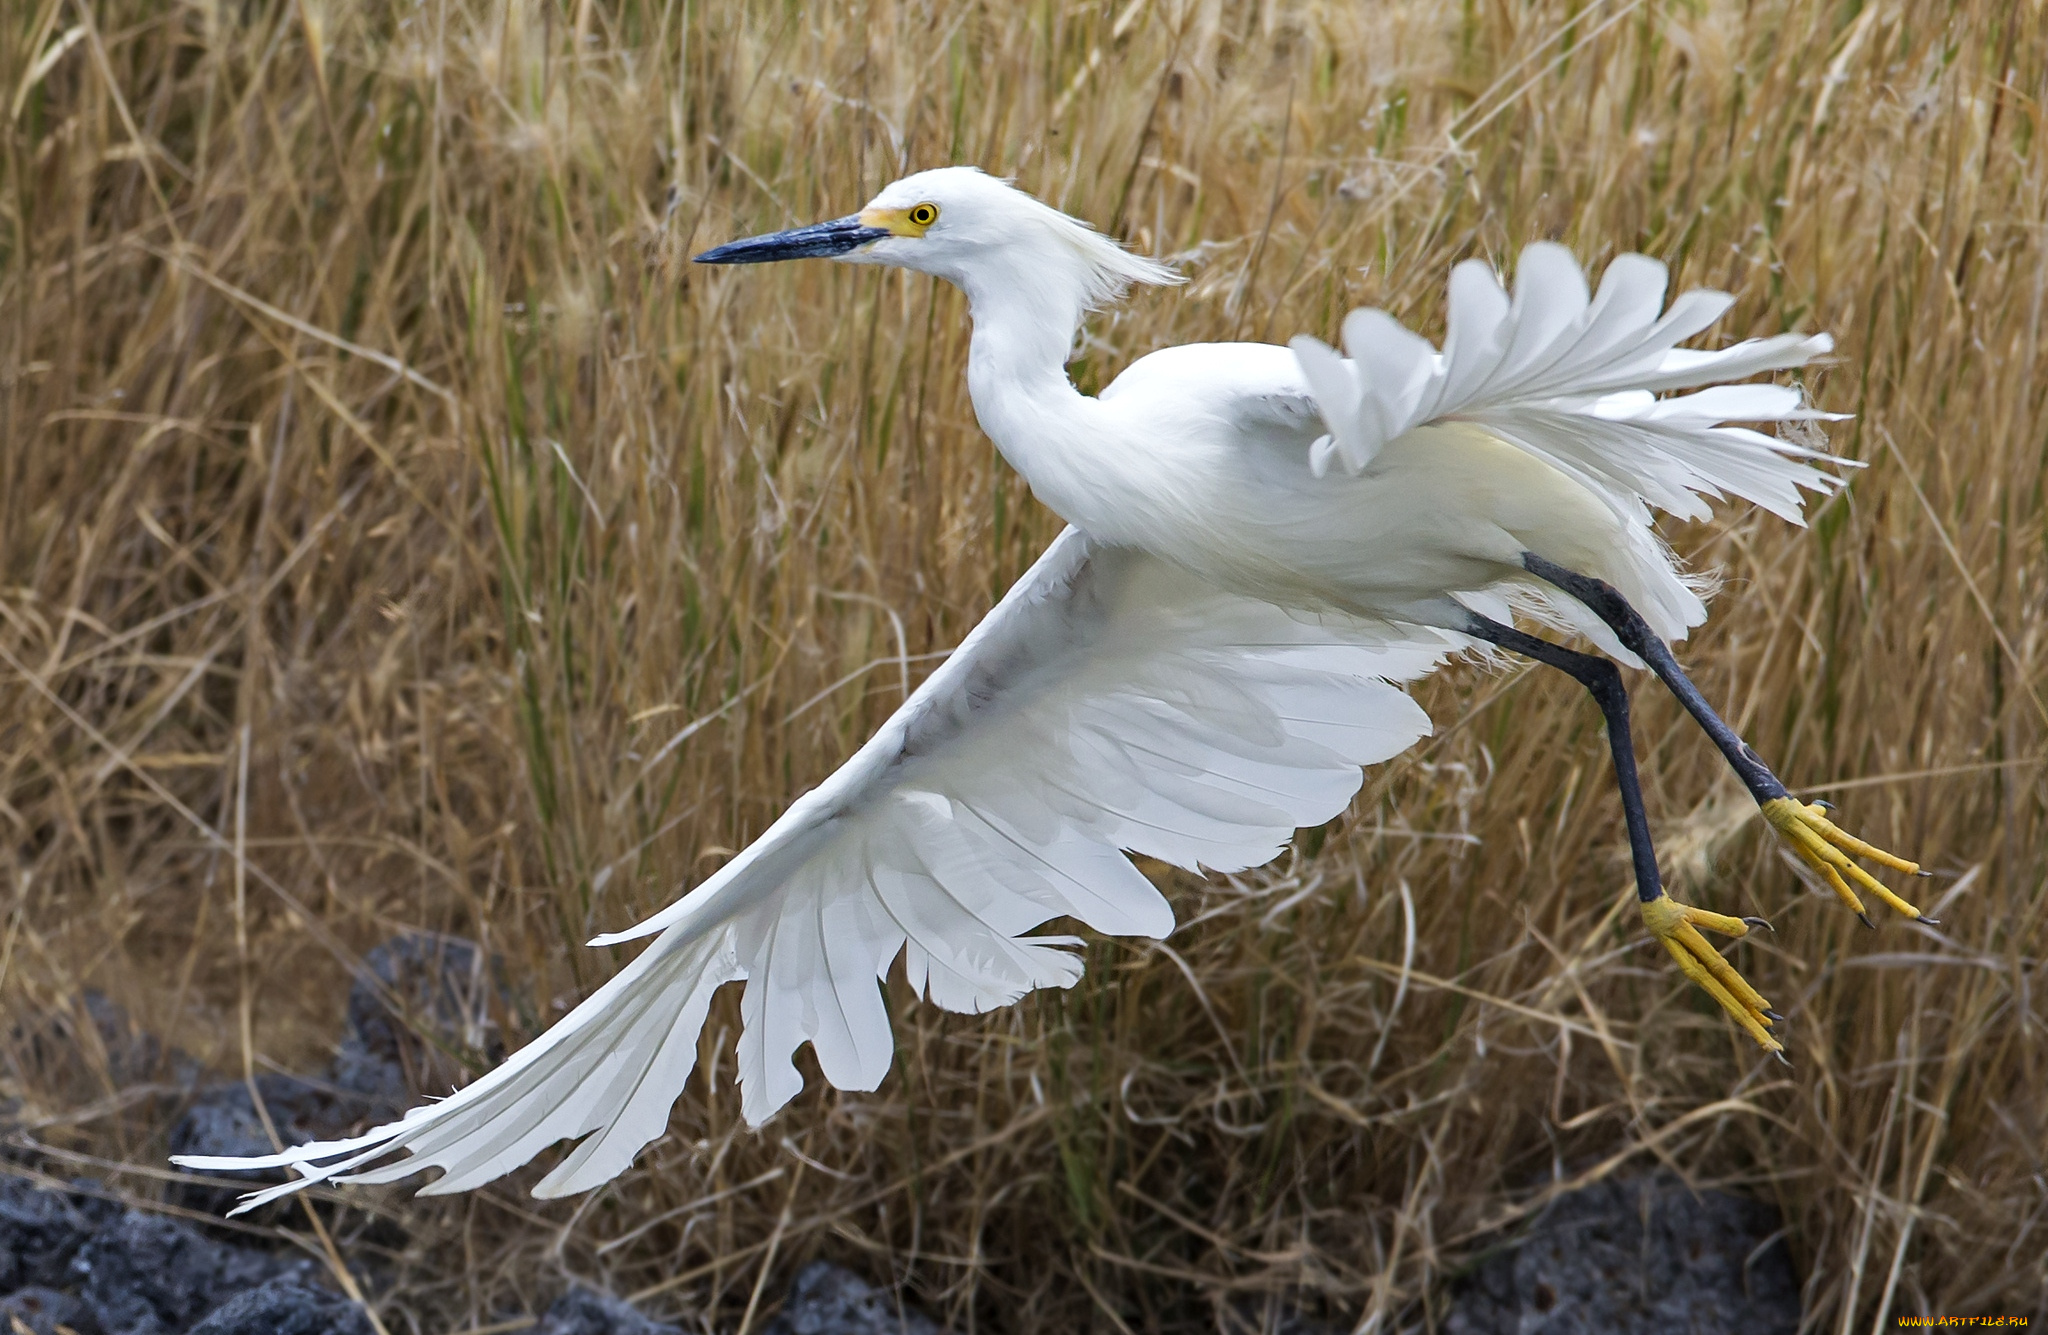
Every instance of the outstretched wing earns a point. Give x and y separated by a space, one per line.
1110 702
1575 380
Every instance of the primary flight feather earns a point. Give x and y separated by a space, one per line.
1263 543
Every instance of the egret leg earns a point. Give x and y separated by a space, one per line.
1676 925
1813 838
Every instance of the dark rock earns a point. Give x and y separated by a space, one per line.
223 1121
1277 1317
830 1300
42 1311
40 1231
1294 1323
68 1042
1643 1256
419 997
91 1199
147 1275
442 988
583 1311
285 1307
135 1055
223 1118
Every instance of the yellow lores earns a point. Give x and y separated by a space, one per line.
902 222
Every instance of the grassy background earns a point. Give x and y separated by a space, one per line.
395 532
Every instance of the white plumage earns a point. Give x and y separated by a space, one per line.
1263 543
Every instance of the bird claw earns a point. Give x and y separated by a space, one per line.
1828 850
1678 927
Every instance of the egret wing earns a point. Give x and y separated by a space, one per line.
1575 380
1110 702
1254 392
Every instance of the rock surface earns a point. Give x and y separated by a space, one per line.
440 986
223 1117
1624 1257
285 1307
147 1275
43 1311
1258 1318
69 1260
40 1231
441 983
583 1311
1643 1256
72 1262
830 1300
93 1044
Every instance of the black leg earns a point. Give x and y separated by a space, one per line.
1676 924
1817 841
1606 602
1603 680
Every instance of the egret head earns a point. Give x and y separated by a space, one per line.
977 232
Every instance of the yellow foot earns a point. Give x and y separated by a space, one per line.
1677 926
1827 848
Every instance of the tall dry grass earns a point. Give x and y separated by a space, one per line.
397 533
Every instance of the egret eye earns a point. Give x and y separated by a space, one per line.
924 215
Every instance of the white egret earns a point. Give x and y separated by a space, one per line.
1262 543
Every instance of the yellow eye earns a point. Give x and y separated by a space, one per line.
924 215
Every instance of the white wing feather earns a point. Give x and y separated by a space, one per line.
1110 702
1573 379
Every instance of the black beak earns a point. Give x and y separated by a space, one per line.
819 240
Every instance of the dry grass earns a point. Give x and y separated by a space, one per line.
397 533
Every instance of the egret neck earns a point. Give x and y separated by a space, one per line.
1064 443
